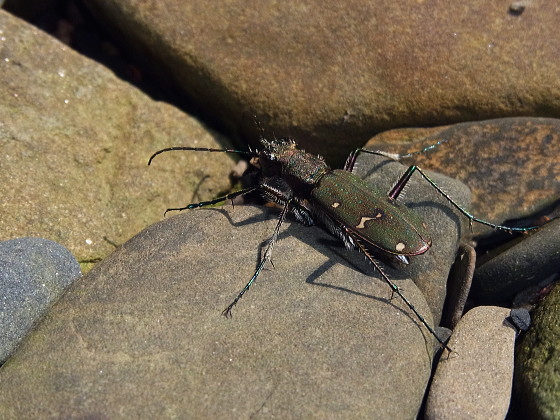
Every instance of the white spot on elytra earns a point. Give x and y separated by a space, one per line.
363 220
400 246
335 205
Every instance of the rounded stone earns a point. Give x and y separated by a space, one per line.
317 335
475 380
537 364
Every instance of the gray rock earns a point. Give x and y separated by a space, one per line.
331 76
316 336
33 274
459 285
520 318
537 362
475 381
75 144
528 262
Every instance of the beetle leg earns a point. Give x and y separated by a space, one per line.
351 160
277 190
214 201
266 257
401 183
396 290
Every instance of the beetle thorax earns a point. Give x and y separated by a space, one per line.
282 158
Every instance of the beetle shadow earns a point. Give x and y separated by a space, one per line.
454 215
257 218
336 253
355 260
377 166
322 241
333 248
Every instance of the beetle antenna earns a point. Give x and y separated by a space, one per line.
259 127
201 149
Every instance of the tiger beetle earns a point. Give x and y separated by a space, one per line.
375 223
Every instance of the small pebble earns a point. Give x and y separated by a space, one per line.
518 7
521 318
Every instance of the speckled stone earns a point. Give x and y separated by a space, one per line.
75 142
510 164
33 274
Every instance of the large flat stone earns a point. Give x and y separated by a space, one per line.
332 73
75 142
316 336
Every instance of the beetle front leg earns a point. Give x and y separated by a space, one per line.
266 257
230 196
277 190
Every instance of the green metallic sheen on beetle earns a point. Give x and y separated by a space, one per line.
379 220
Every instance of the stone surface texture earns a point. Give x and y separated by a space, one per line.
332 74
318 335
33 274
475 381
75 143
537 381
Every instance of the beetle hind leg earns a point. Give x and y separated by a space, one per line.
396 290
401 183
351 160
